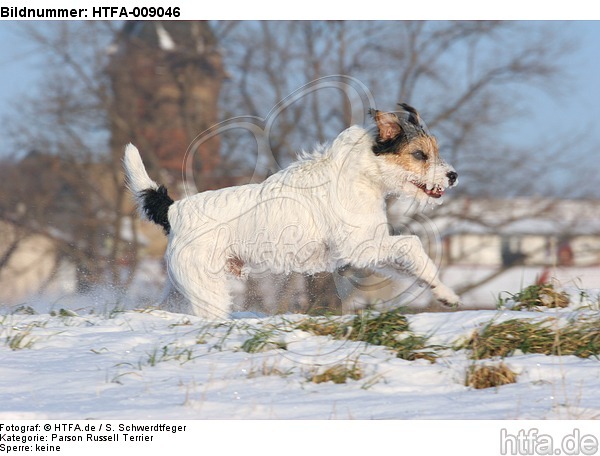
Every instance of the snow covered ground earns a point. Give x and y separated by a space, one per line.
150 364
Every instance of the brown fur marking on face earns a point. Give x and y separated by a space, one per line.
404 158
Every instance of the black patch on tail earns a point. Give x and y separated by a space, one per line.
156 204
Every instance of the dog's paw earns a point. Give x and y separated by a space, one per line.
446 296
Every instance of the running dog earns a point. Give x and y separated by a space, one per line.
325 211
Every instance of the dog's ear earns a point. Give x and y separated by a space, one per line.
387 124
413 115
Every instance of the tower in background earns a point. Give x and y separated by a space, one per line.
166 78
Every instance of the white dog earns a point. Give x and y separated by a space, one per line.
323 212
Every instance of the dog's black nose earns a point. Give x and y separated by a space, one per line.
452 177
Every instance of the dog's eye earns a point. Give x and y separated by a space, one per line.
419 155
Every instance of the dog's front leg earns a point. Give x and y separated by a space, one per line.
410 256
441 292
406 253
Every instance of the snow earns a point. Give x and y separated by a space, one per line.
151 364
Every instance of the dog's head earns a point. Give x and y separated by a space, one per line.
410 163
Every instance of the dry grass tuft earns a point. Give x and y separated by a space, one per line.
389 329
263 340
486 376
324 326
579 338
339 373
503 339
542 295
382 329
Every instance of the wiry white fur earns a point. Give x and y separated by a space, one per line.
325 211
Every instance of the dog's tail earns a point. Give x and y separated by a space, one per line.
152 199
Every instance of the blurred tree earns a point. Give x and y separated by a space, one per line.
59 177
106 85
469 80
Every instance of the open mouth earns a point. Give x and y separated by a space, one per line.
435 192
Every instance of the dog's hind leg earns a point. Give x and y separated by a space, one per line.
200 277
208 294
210 298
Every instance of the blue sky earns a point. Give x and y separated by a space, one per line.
575 108
16 68
578 104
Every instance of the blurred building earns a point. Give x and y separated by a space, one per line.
30 264
521 231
